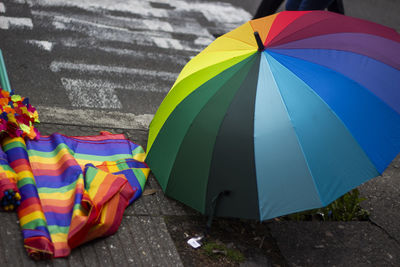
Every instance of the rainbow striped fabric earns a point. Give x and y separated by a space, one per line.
8 178
73 189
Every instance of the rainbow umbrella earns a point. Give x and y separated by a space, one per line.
283 114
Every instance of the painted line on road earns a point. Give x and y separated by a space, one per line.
176 59
94 118
151 28
139 7
168 43
44 45
103 31
182 25
57 66
11 22
2 8
218 12
213 11
129 85
91 94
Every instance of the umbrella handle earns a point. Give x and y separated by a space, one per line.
214 203
259 42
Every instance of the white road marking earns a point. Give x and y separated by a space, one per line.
45 45
58 25
176 59
155 25
139 7
69 20
94 118
102 31
143 86
2 8
149 30
217 11
57 66
201 41
11 22
138 86
185 25
89 94
168 43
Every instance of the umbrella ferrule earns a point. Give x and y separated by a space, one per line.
259 42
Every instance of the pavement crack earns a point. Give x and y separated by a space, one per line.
384 230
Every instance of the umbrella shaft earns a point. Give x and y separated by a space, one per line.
259 42
214 203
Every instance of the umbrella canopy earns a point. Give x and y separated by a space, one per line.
286 123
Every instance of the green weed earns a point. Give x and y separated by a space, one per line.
345 208
215 250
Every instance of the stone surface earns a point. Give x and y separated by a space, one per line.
335 244
382 196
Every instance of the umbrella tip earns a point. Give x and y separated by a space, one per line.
259 42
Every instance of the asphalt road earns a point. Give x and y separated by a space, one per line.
105 62
110 63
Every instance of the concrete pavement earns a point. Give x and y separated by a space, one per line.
104 65
362 243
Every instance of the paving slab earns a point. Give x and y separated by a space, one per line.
157 204
382 196
335 244
371 243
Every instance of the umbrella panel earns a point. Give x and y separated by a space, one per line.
232 166
169 149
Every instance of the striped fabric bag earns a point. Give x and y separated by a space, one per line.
73 189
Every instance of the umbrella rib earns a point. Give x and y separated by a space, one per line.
214 63
225 90
169 110
276 50
196 116
295 132
342 74
229 37
333 49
